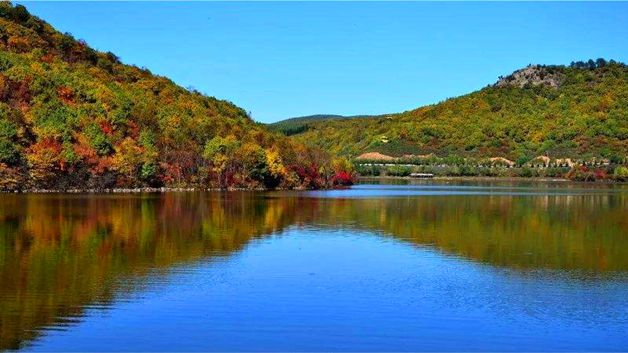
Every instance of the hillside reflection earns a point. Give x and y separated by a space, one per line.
575 232
62 253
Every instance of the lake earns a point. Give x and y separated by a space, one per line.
423 265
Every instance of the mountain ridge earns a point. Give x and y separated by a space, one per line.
579 110
292 126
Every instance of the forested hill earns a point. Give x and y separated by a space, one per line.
576 111
72 117
298 125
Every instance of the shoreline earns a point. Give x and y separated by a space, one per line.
501 179
147 190
150 190
469 178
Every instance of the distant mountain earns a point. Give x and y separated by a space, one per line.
576 111
299 125
73 117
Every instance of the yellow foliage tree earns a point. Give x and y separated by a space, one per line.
128 159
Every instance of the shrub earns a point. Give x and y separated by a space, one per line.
399 170
600 174
341 179
555 172
526 173
490 172
467 170
452 171
581 173
620 174
368 170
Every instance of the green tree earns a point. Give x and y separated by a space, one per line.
620 174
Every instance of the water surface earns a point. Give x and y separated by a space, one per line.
426 266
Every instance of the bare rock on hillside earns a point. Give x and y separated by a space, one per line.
533 75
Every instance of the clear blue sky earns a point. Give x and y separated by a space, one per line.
287 59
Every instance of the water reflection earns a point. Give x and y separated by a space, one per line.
61 254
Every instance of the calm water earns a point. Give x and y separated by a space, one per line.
428 266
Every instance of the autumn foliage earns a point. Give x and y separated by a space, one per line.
578 112
72 117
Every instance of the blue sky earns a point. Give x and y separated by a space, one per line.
286 59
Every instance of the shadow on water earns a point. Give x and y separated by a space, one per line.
63 254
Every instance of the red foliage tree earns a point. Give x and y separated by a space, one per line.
341 179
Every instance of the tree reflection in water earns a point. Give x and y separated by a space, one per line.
60 254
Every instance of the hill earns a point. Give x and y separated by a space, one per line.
73 117
578 111
300 124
